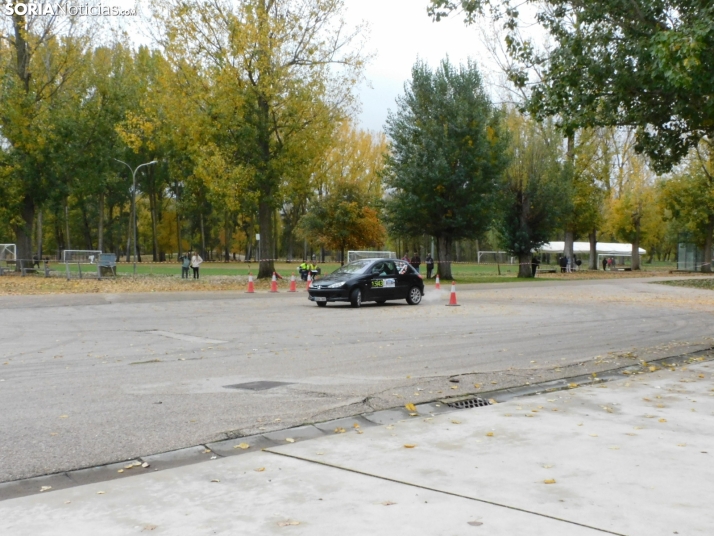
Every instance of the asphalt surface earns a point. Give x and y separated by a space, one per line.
93 379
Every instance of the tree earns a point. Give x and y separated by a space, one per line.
343 219
642 63
280 73
533 193
447 151
689 197
40 58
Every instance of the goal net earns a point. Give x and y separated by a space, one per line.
8 252
74 259
495 257
357 255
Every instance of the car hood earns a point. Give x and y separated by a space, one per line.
335 278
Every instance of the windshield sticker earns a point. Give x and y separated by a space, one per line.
389 283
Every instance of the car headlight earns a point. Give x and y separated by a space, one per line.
337 285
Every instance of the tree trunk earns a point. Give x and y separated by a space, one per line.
154 225
265 222
444 260
525 266
593 264
636 247
203 239
23 230
100 229
39 234
707 261
568 246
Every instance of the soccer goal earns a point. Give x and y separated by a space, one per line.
357 255
8 257
75 259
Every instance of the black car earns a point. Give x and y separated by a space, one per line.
376 280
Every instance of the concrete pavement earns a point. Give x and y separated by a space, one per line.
629 457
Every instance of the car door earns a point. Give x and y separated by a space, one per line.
404 279
382 281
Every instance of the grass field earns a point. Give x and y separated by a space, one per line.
694 283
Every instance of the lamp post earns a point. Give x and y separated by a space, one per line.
133 198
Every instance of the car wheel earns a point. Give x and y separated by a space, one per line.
356 298
381 302
414 296
321 304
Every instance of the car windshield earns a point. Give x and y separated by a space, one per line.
356 267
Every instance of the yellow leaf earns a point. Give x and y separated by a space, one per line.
549 481
340 430
289 440
489 434
260 469
410 407
477 385
409 446
287 523
243 446
455 421
454 386
572 385
663 420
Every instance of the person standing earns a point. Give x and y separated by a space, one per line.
604 264
406 256
534 264
196 261
416 261
185 265
429 265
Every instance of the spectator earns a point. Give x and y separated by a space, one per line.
534 264
429 265
604 264
563 263
406 256
185 265
416 261
196 261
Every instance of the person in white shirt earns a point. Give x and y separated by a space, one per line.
196 261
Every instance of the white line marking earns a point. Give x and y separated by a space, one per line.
187 338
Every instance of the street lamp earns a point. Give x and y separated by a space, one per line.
133 198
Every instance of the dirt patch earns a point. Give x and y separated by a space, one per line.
16 285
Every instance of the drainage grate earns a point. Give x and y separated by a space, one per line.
469 403
256 386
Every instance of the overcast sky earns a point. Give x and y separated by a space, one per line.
401 32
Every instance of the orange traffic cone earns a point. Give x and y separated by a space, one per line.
251 285
274 284
309 281
452 299
292 284
438 285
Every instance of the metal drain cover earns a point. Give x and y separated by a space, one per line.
469 403
256 386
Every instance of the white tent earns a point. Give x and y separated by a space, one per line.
580 248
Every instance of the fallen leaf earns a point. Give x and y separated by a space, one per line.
454 421
489 434
477 385
215 480
410 407
355 425
340 430
207 451
242 446
474 523
287 523
549 481
388 503
63 416
572 385
145 465
409 446
45 488
289 440
120 471
547 466
454 386
100 493
259 469
663 420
